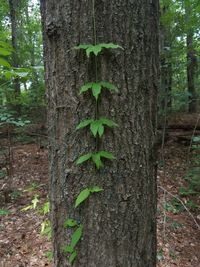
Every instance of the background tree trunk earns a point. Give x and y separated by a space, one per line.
14 8
191 74
166 63
119 223
192 62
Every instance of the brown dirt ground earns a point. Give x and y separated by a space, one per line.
21 243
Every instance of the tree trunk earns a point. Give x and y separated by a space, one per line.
166 64
191 74
14 7
192 62
120 222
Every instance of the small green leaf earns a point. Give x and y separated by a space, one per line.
97 160
96 90
94 126
109 86
108 122
84 194
95 49
68 249
106 154
76 236
100 130
72 257
85 87
70 223
4 63
84 123
111 46
95 189
84 158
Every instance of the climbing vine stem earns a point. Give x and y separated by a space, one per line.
96 127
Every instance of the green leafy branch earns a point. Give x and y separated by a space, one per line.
97 126
96 88
96 158
96 49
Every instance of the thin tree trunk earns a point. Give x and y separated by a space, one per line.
192 63
166 65
14 6
191 74
120 222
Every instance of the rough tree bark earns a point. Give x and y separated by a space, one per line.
119 223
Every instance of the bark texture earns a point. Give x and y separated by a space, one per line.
119 223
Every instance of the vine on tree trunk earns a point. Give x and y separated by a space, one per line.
96 126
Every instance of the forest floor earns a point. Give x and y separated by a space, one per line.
21 243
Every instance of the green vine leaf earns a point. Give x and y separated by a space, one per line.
95 189
84 194
72 257
76 236
68 249
85 87
84 123
109 86
70 223
97 160
108 122
106 154
96 49
97 126
94 127
96 88
84 158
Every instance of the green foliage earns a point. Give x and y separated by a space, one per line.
96 158
97 126
96 88
84 194
4 212
34 202
97 129
76 236
70 223
96 49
